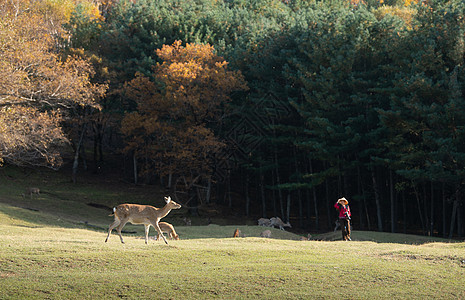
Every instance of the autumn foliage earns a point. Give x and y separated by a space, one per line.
37 85
173 127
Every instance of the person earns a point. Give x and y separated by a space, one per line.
342 205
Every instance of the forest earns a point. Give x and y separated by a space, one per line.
267 107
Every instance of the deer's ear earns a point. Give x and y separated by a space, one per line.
168 199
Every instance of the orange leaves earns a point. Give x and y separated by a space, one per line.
172 118
33 78
192 52
33 71
196 79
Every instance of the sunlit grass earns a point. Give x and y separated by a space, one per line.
52 261
52 247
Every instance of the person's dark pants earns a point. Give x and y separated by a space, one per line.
345 226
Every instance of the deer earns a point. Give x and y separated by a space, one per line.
141 214
276 221
264 222
31 191
237 233
337 225
187 221
266 234
307 238
169 229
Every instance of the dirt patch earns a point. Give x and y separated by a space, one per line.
7 274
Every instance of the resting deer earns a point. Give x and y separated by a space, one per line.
266 234
187 221
141 214
31 191
276 221
308 238
169 229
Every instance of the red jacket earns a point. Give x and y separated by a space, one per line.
343 209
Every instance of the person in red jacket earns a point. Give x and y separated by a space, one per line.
342 205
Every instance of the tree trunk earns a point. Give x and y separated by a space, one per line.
209 189
425 207
417 196
432 211
328 205
134 162
98 128
170 179
288 207
278 182
301 215
247 196
229 189
377 200
459 217
262 194
444 202
452 219
315 202
76 154
404 212
365 206
83 157
360 203
273 194
393 204
299 192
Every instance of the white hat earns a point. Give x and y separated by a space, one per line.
342 201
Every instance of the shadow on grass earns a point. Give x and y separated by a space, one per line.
383 237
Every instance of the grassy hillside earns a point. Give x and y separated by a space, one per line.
52 247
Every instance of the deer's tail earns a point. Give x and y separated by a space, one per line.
113 213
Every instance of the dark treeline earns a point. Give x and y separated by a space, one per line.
358 100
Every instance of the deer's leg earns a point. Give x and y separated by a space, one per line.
160 233
112 225
147 229
120 227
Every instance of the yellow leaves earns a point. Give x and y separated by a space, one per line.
33 76
197 53
184 71
59 9
407 14
408 3
171 118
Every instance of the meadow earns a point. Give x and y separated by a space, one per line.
52 247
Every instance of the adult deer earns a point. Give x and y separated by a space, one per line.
141 214
277 222
31 191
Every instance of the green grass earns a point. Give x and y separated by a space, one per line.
48 253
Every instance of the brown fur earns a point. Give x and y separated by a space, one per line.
31 191
264 222
266 234
169 229
237 233
276 221
141 214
